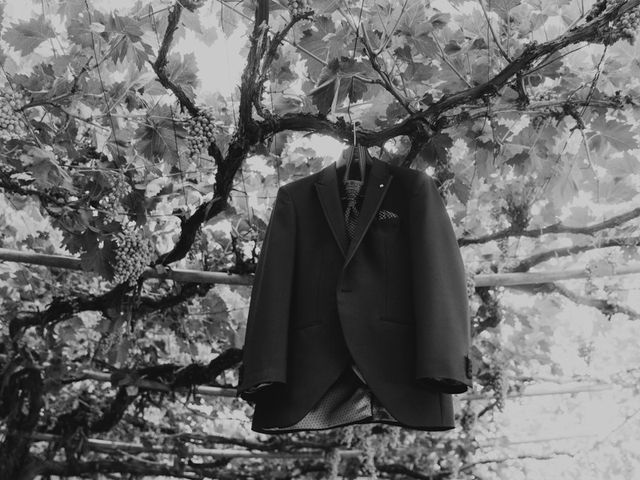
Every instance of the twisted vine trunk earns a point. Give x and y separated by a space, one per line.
21 404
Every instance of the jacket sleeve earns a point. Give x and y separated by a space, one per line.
264 357
439 294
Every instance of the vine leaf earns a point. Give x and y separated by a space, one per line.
622 167
283 68
26 36
323 41
337 78
129 42
618 134
183 71
503 7
71 8
191 21
80 32
96 258
46 171
435 150
461 189
159 137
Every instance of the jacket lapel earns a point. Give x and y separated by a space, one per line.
327 188
329 195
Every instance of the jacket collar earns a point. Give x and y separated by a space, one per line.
377 183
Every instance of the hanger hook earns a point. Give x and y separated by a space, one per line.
355 138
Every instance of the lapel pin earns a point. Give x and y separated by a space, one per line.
381 185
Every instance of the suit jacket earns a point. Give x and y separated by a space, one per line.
393 299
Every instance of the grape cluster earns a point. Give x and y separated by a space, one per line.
623 28
498 385
11 124
467 419
518 208
134 252
470 279
585 351
108 340
628 24
503 245
298 8
200 130
111 203
544 96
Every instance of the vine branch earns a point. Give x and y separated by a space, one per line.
554 228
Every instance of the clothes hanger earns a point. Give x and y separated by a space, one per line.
349 154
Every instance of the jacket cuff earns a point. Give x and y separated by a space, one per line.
445 385
448 380
258 387
251 379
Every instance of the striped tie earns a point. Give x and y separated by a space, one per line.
352 189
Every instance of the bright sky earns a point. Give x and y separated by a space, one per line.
219 62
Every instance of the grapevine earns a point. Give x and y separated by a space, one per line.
11 124
134 252
200 130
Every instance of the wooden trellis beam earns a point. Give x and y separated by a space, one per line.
73 263
204 390
189 450
197 276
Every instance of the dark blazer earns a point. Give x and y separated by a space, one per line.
394 299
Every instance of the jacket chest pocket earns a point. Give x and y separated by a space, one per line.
387 225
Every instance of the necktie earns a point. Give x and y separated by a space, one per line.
352 189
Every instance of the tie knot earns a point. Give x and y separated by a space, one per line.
351 189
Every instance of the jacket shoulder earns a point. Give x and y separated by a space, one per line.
301 184
408 177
